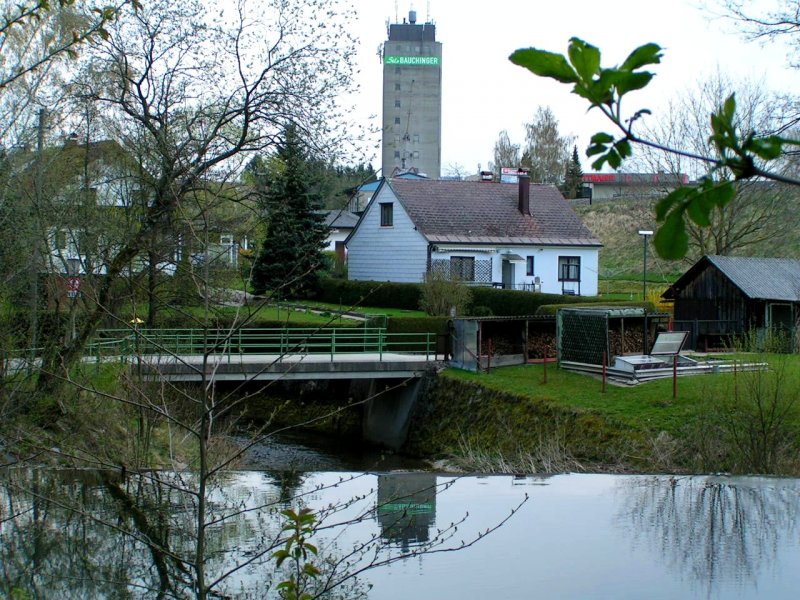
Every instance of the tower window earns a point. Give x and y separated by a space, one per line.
397 120
397 153
396 87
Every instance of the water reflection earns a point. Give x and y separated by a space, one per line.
712 530
91 534
406 508
88 535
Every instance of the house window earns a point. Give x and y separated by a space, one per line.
529 266
462 267
569 268
387 214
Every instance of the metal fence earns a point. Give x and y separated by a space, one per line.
273 341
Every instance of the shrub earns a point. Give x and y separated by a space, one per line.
369 293
441 295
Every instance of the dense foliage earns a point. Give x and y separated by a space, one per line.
291 255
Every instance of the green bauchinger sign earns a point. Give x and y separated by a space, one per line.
413 61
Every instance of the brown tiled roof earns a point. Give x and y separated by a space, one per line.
487 213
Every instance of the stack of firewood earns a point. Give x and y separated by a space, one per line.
541 343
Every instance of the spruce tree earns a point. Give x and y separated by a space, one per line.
573 176
291 255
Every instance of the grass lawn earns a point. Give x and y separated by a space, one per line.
391 312
646 407
265 314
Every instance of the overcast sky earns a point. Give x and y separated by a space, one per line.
483 93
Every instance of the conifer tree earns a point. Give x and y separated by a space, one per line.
291 255
573 175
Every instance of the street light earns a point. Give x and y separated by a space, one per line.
645 233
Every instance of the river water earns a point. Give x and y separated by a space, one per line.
569 537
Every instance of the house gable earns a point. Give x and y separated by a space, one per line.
388 252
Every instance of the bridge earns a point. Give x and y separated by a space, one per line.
256 354
259 354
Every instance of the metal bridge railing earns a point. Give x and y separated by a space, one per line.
272 341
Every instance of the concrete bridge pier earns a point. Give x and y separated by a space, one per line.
387 413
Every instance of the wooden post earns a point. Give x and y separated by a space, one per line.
675 376
604 372
545 364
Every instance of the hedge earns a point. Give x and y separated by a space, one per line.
551 309
369 293
486 301
513 303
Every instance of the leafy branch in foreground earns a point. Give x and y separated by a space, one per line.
739 155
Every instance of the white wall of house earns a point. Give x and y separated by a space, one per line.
386 253
335 235
545 273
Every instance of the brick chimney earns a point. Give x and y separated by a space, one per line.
524 194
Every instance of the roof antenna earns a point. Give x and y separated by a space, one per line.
428 12
395 12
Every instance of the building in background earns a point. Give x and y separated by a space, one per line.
613 186
412 99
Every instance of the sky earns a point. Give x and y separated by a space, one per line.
483 93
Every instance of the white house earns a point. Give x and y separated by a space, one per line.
339 223
515 236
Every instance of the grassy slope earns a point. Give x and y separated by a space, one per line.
708 426
616 223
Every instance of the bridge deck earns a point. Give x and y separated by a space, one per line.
261 367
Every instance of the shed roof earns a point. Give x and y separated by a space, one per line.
757 278
475 212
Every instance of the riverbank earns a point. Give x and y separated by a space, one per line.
514 419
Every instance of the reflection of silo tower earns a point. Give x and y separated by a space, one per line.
406 507
412 99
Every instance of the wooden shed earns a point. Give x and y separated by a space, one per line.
724 296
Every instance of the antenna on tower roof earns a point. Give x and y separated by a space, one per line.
428 12
396 18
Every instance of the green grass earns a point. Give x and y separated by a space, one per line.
648 407
391 312
194 316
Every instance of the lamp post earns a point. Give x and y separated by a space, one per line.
645 233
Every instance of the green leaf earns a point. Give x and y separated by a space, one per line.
729 108
699 209
595 149
671 240
768 148
623 147
676 196
629 82
602 138
280 556
585 58
545 64
648 54
614 159
598 164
